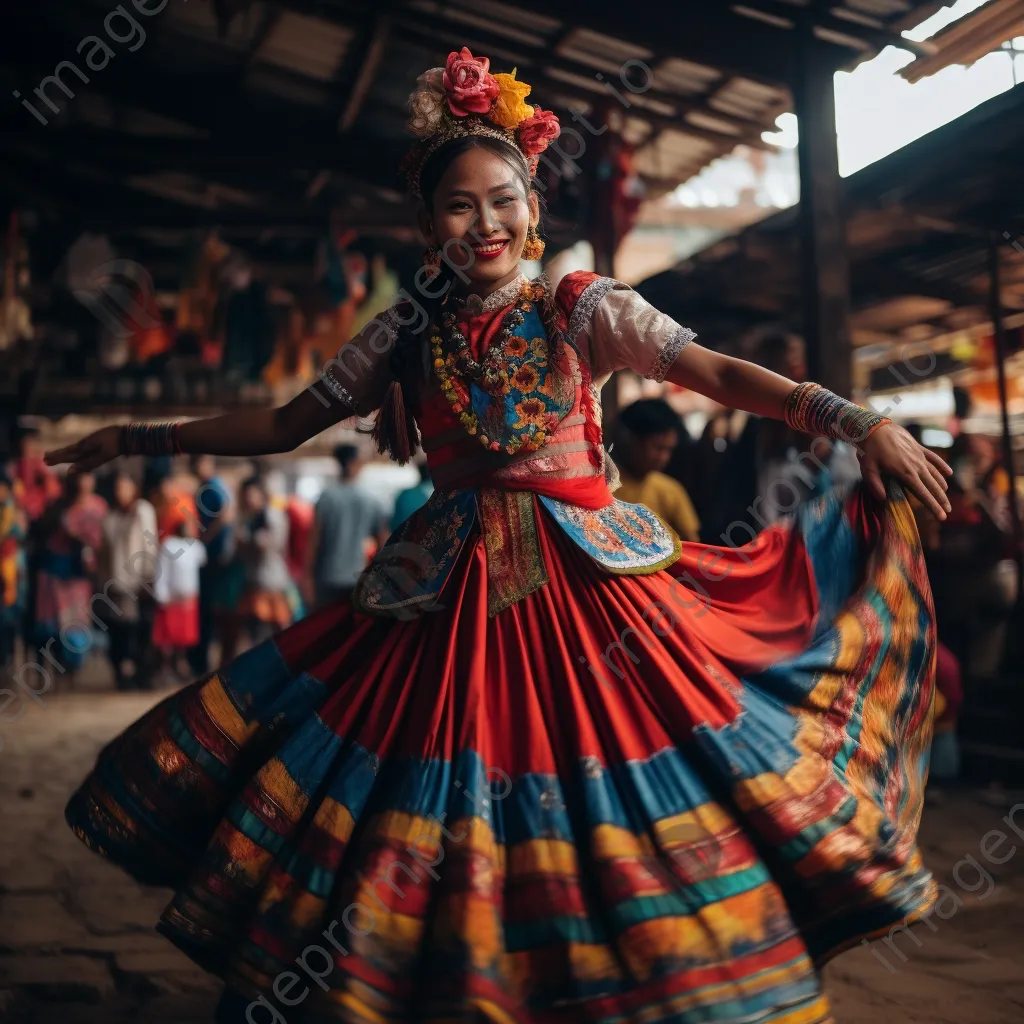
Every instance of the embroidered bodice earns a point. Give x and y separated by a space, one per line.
606 326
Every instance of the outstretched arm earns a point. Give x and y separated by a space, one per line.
351 384
249 432
627 332
887 451
734 383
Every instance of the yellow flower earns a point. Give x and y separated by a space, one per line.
509 109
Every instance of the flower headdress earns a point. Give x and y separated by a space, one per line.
463 98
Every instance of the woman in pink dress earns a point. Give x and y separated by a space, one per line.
72 533
547 763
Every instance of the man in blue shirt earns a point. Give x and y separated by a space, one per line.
412 499
348 518
215 511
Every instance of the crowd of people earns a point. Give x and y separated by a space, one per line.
728 484
169 571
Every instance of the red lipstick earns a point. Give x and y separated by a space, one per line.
490 250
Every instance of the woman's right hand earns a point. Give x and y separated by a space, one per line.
92 451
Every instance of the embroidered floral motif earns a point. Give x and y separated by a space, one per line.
622 538
412 567
526 379
531 412
517 347
524 412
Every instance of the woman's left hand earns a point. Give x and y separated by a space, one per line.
891 451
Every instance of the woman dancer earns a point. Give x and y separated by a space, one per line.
547 764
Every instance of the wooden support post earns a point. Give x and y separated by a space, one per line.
825 268
603 238
999 336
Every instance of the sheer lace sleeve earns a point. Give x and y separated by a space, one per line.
360 373
626 332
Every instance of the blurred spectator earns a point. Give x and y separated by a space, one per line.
649 433
945 762
412 499
35 484
974 581
750 464
220 583
13 569
176 624
989 479
711 453
128 561
806 468
347 517
270 601
763 474
300 527
70 535
36 487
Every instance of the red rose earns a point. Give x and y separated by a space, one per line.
468 84
537 132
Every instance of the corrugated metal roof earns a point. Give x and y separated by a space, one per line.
918 233
685 77
309 46
283 76
198 21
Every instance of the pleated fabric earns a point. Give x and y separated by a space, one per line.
660 798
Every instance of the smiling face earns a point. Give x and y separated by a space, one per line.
481 207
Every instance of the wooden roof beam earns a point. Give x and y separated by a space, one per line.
716 37
374 48
446 27
863 32
749 133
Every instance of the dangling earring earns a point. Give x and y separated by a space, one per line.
431 257
534 248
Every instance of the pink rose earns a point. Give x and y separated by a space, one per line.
537 132
470 87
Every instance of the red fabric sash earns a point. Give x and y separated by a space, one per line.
587 492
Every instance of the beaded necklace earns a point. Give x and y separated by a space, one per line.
453 360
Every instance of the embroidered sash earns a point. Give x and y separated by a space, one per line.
515 565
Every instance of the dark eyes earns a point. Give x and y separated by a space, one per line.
500 202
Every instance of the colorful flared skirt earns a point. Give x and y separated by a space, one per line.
625 798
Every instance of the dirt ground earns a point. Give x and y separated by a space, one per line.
77 944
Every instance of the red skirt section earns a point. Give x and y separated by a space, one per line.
550 663
657 798
177 624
